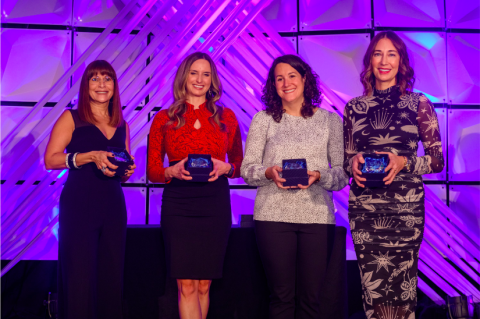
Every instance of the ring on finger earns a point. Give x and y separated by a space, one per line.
103 169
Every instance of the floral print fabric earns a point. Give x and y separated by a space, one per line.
387 223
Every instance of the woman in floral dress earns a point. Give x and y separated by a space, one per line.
387 223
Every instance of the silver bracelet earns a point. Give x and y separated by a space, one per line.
74 160
66 160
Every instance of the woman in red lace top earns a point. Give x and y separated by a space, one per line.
196 216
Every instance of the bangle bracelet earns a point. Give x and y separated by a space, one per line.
74 161
405 163
66 160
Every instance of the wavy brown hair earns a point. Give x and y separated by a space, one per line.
311 93
405 75
178 108
114 106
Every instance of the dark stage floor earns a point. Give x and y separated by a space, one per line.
149 293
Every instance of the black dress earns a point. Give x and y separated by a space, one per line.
92 229
387 223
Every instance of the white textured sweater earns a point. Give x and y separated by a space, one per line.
318 139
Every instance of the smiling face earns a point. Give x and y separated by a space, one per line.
289 83
199 79
101 88
385 62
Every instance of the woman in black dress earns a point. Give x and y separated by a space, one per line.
92 218
196 216
387 223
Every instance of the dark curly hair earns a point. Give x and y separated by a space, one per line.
311 93
405 75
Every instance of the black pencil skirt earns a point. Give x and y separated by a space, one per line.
196 222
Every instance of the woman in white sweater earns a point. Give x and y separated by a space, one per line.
294 225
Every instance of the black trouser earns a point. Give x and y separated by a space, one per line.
295 259
90 265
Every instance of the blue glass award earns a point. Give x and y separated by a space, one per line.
295 172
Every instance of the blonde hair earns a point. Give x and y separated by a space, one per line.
177 110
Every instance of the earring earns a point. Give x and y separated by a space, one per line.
210 94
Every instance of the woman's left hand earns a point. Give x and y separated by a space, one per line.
313 176
131 169
219 168
395 166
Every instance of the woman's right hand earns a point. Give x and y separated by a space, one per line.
100 158
273 174
358 159
178 171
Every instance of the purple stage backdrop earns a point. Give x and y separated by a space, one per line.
42 39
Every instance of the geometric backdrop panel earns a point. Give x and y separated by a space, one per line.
463 53
463 14
337 59
282 15
155 206
408 13
243 202
37 11
136 202
95 13
11 117
426 51
32 61
464 145
82 42
335 14
465 202
442 123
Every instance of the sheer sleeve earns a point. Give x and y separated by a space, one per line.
156 149
429 133
350 149
235 150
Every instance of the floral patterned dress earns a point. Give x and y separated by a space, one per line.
387 223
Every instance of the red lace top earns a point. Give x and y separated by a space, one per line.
178 143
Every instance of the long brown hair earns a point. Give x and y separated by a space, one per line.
114 106
178 108
405 75
311 93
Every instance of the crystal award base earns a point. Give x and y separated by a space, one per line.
199 166
295 172
374 170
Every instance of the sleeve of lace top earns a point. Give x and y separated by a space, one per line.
350 149
429 133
